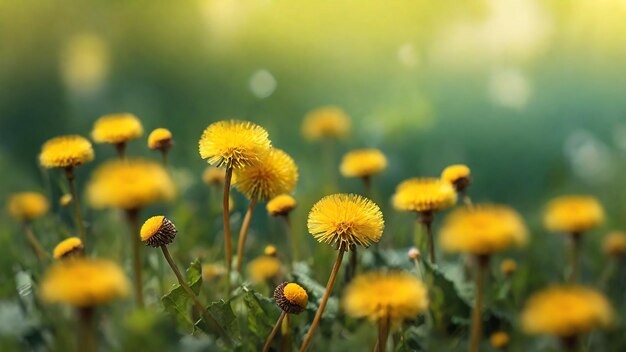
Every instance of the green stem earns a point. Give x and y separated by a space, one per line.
426 218
476 330
133 220
575 239
164 157
243 233
268 342
292 238
78 218
324 301
40 253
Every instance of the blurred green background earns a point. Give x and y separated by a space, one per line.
529 94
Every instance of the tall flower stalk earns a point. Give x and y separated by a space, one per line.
343 220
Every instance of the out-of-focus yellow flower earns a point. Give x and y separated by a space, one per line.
499 340
84 62
458 175
275 173
615 243
424 195
27 206
158 231
68 247
270 250
65 200
346 219
566 311
214 176
483 229
363 163
395 296
129 184
281 205
326 122
160 139
65 151
573 214
508 267
291 297
263 268
235 143
116 128
212 271
83 282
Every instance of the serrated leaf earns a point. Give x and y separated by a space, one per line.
262 314
176 302
301 275
223 315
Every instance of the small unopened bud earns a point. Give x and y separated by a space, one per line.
414 253
508 267
270 250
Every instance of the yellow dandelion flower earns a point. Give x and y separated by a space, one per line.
158 231
363 163
212 271
326 122
66 152
482 230
346 219
275 173
68 247
458 175
566 311
65 200
129 184
508 267
235 143
116 128
213 176
281 205
160 139
573 214
270 250
83 282
27 206
263 268
499 340
396 296
424 195
291 297
614 243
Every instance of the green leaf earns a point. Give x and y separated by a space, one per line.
224 322
302 275
177 302
262 314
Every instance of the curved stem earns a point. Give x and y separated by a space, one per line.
87 338
324 301
227 240
266 347
243 233
476 331
196 301
133 219
383 334
40 253
574 253
78 218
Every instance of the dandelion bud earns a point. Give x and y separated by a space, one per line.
499 340
158 231
508 267
615 243
270 250
291 297
414 254
160 139
69 247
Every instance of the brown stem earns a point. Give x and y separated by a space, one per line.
243 233
324 301
383 334
40 253
274 331
133 220
87 336
164 157
78 218
569 343
367 183
227 240
121 150
575 239
352 265
476 330
427 220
